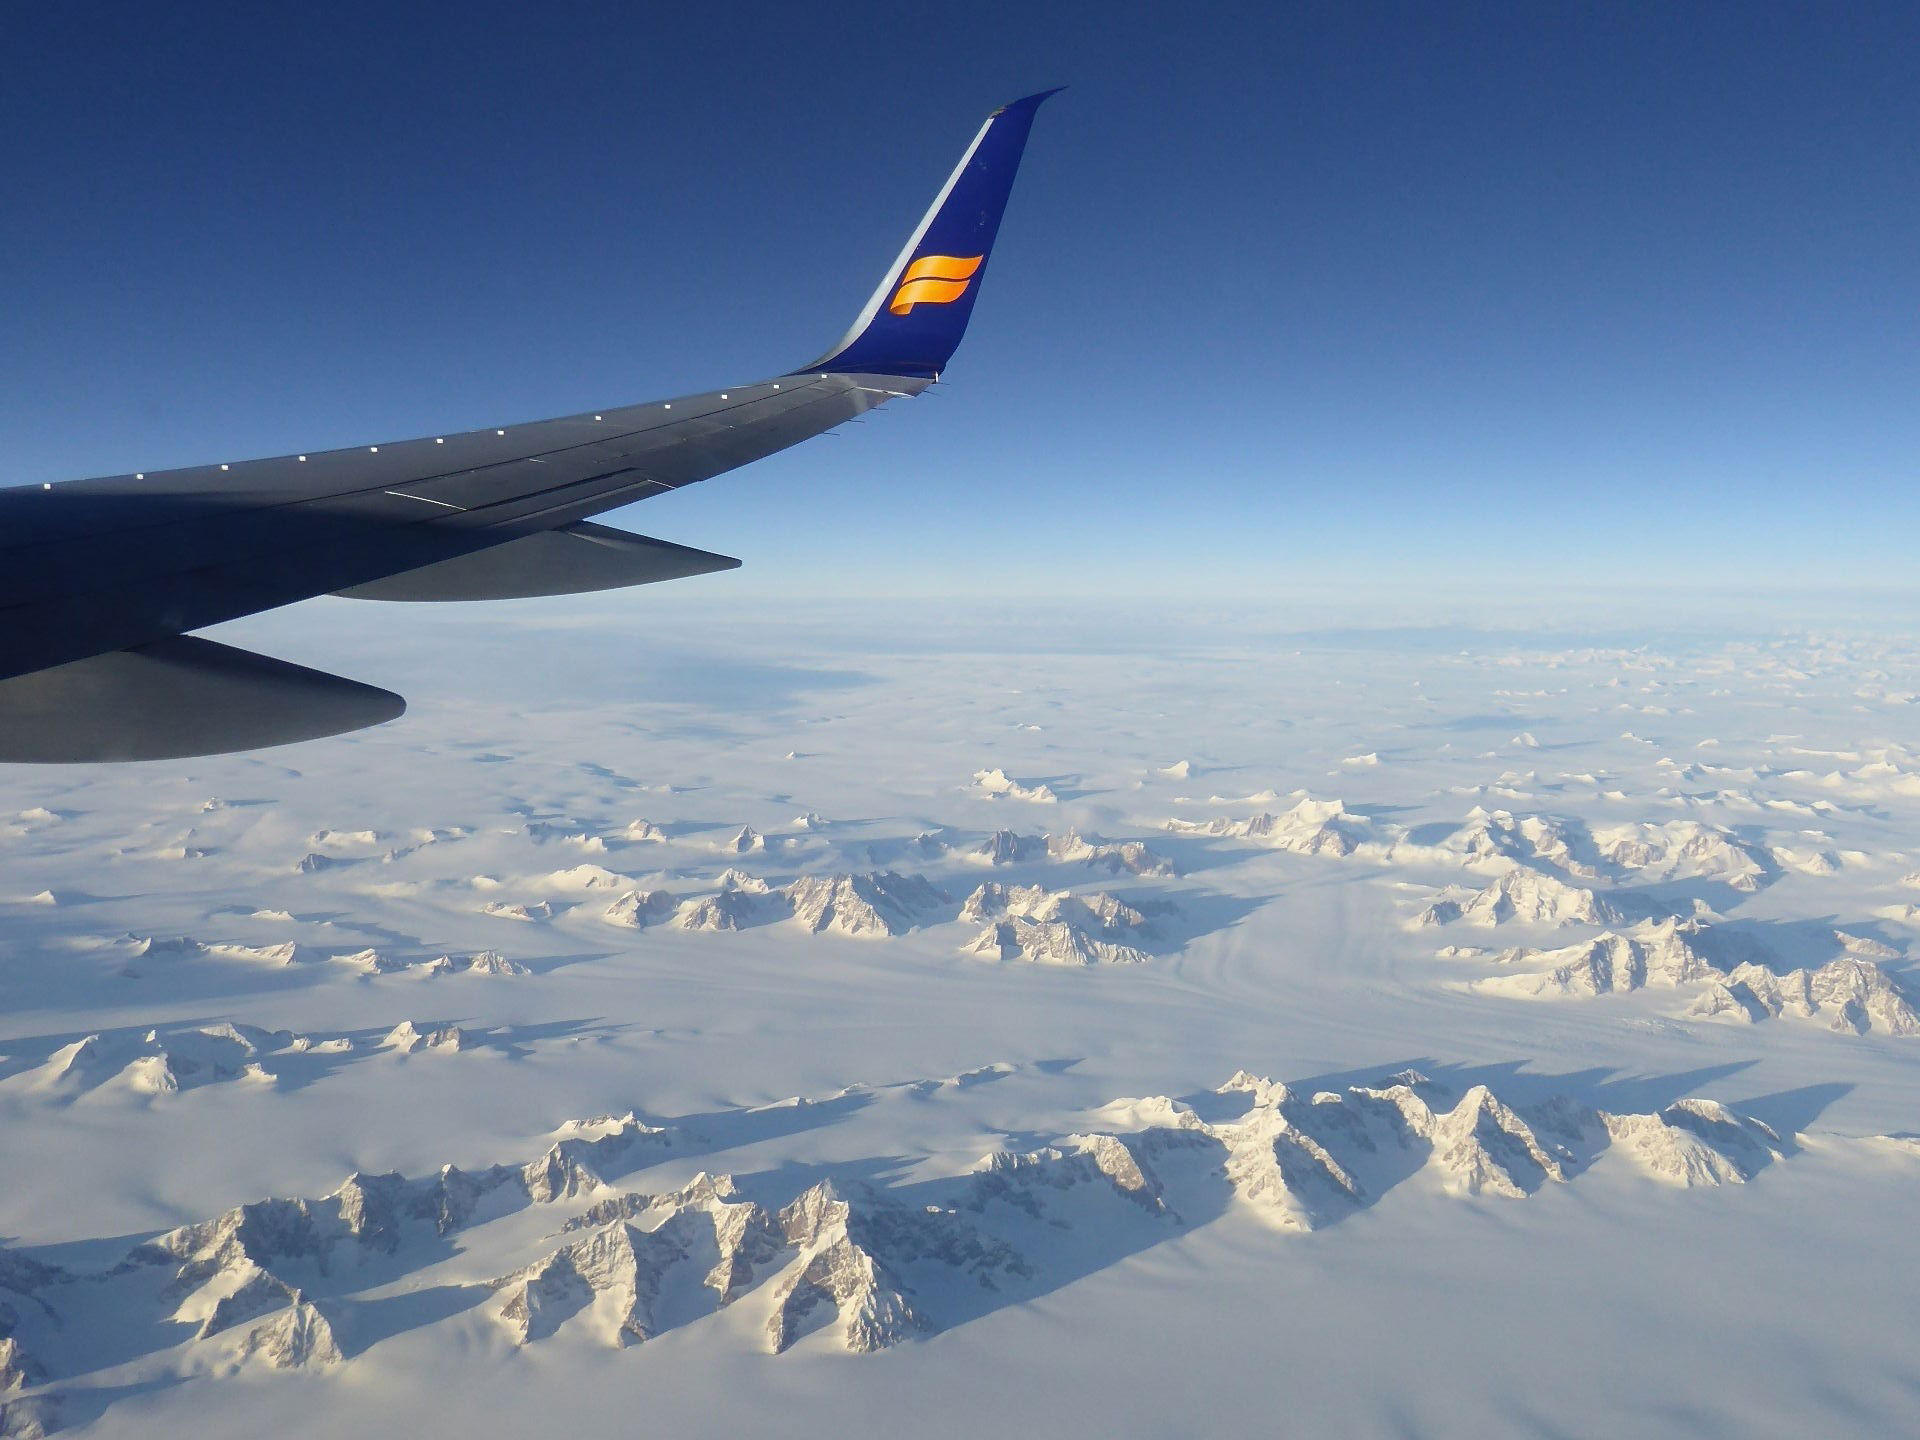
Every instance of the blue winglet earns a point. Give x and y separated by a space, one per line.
914 321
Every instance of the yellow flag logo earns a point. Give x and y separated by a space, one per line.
934 280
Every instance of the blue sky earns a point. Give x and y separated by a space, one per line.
1337 295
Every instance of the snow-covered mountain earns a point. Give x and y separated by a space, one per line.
1006 847
1311 827
283 1281
876 903
1685 850
741 900
637 908
1055 927
1500 836
1733 975
1132 857
1525 897
1666 952
996 784
1851 995
1711 832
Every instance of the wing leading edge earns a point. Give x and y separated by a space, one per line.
93 569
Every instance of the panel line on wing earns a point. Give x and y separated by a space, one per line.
424 500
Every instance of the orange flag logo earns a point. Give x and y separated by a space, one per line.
934 280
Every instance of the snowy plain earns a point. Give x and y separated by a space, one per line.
1033 1018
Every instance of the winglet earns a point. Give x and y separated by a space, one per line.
914 321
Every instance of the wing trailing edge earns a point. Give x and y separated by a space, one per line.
176 698
571 560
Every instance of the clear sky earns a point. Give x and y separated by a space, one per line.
1331 294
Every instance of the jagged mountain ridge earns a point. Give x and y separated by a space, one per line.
873 903
1056 927
1311 827
1133 857
274 1281
1736 978
1561 848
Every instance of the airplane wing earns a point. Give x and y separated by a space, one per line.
101 580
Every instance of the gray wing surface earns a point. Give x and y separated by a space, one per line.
94 566
101 580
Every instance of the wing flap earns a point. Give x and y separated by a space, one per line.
568 561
